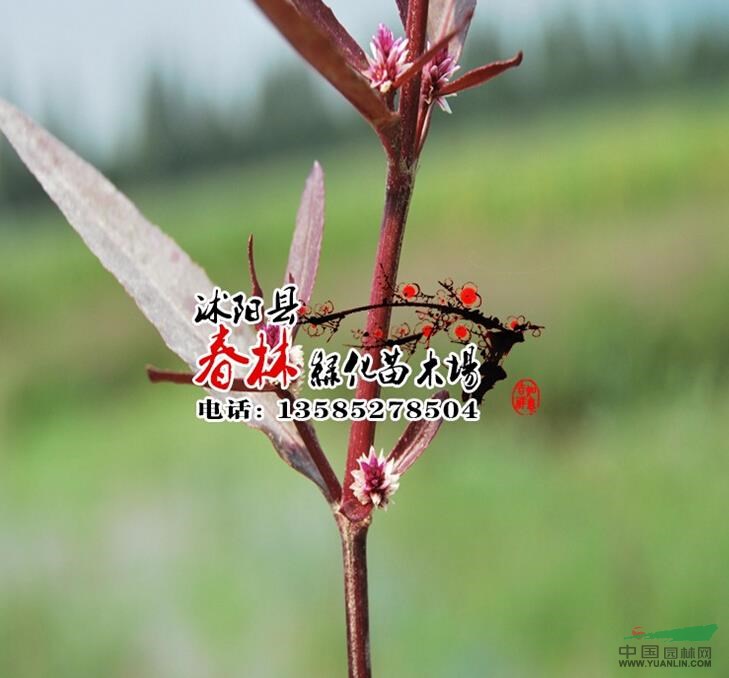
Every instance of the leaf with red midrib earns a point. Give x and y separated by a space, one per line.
482 74
153 269
323 16
316 46
306 244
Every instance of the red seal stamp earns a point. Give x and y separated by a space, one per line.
526 397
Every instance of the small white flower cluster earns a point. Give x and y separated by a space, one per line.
376 480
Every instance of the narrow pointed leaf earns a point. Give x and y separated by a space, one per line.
444 16
402 7
323 17
154 271
306 244
307 38
478 76
256 289
415 440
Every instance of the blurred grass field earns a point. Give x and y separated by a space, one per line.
137 541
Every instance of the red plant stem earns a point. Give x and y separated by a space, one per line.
353 518
354 556
402 162
397 202
417 22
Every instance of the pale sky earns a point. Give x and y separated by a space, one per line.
86 57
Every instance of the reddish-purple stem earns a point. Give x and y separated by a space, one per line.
354 518
312 29
399 188
354 560
397 202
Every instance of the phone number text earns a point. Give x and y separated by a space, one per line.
377 409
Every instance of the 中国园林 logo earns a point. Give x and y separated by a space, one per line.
683 647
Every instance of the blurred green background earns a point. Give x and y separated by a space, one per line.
137 541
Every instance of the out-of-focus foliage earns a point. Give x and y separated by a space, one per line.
133 537
179 133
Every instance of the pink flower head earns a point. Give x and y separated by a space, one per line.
388 61
375 481
273 333
436 75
